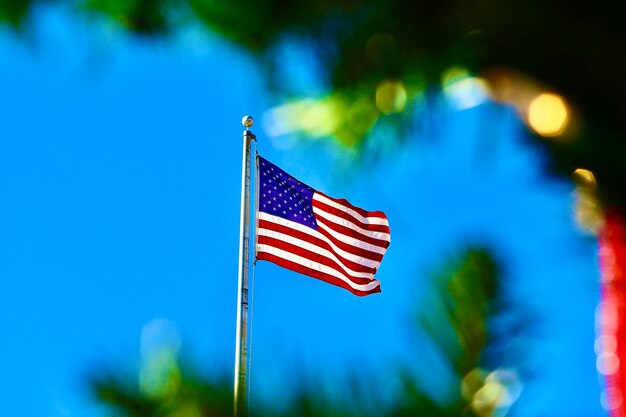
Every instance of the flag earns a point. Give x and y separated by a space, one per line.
309 232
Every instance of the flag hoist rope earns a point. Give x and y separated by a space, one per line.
241 349
251 321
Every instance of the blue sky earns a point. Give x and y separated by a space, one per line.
119 208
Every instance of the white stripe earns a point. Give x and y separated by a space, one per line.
312 232
313 248
316 266
347 223
352 241
367 220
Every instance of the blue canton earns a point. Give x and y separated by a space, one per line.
282 195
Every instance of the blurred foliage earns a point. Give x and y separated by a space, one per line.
577 50
15 11
188 396
471 339
141 16
468 299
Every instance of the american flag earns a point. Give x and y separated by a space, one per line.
306 231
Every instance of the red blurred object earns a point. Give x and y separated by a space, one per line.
612 338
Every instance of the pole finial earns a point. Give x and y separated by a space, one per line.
247 121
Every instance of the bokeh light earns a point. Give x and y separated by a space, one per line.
612 399
607 313
607 363
391 97
585 178
487 399
362 115
159 375
472 382
587 211
605 343
610 313
463 91
316 118
510 379
493 394
548 115
381 48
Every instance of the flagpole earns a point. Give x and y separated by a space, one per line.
241 350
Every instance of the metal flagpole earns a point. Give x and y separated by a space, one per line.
241 350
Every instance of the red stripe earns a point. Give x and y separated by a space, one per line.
355 250
346 231
359 210
373 256
312 256
347 216
314 273
353 266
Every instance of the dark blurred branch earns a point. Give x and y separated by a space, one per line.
577 50
468 298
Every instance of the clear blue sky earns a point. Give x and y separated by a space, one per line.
119 204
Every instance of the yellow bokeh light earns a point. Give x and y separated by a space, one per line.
472 382
587 211
362 115
454 75
548 115
585 178
315 117
391 97
488 399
